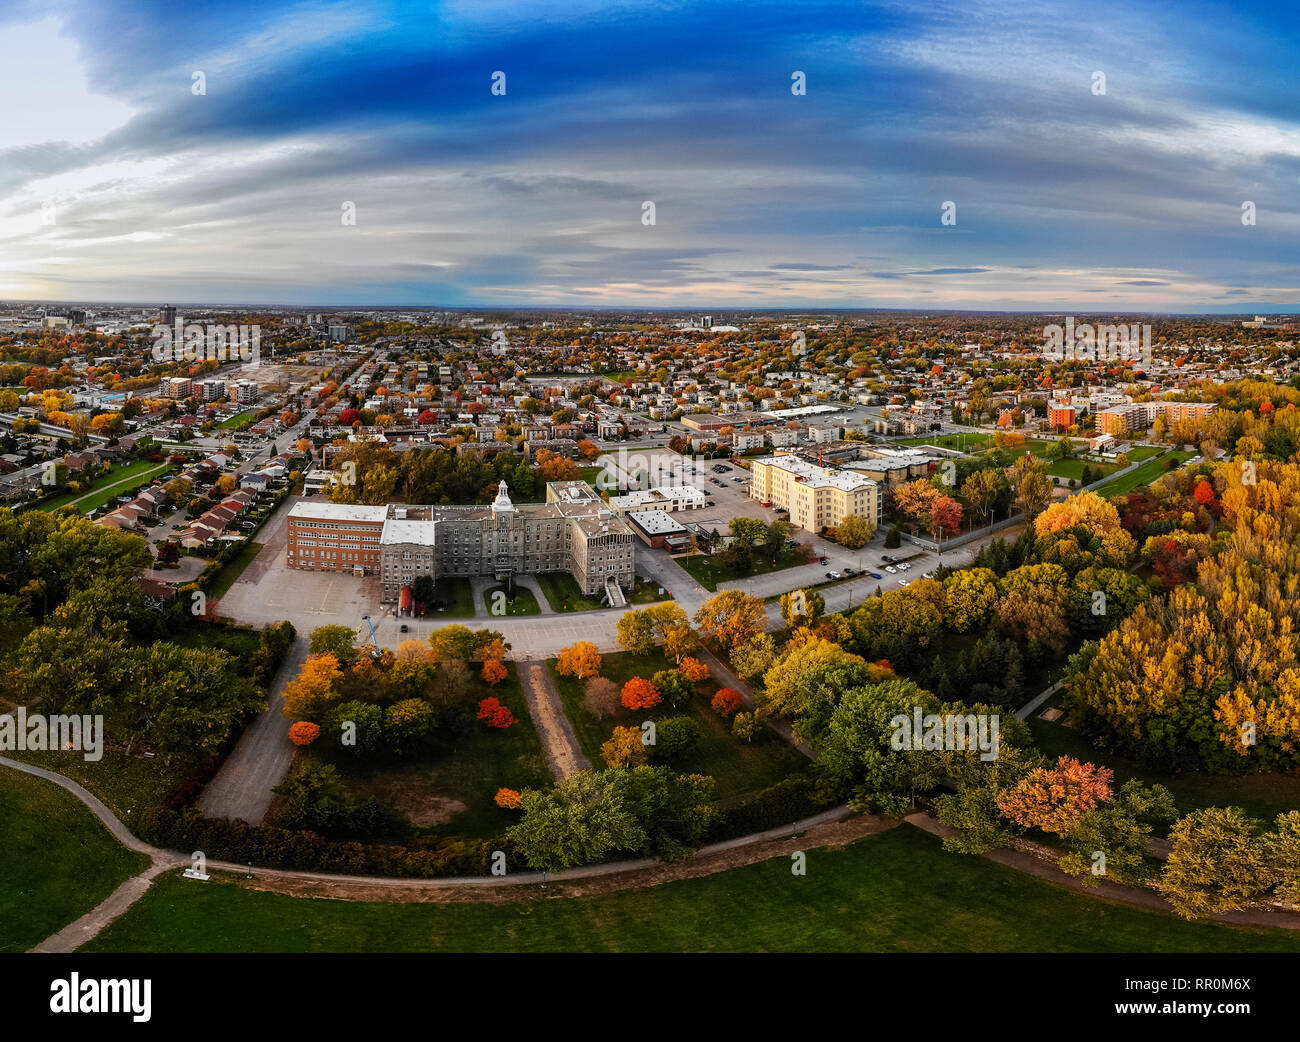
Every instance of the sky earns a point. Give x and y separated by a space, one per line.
122 180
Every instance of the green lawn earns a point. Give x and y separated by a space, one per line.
239 421
709 570
646 592
233 569
895 892
1138 453
1262 795
469 772
456 595
737 767
1073 468
1145 474
524 603
57 862
563 593
956 442
118 481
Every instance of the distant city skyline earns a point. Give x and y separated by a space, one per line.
119 184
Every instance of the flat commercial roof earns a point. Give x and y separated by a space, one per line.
655 522
338 512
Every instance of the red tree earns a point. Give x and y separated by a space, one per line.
1204 494
727 701
1054 799
304 732
494 714
349 416
639 693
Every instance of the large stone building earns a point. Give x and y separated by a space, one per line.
572 532
816 497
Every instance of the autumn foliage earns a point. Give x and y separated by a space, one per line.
727 701
639 693
694 669
304 732
509 799
1055 799
494 672
581 660
494 714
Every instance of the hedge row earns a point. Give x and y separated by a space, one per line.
790 799
221 839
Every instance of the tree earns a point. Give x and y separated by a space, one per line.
1033 491
730 618
625 748
639 693
755 657
308 694
970 595
636 632
674 686
945 517
747 726
806 684
1217 863
334 640
494 714
1118 830
695 670
581 660
583 819
600 697
727 701
408 725
914 500
168 552
983 489
494 672
854 532
745 533
1056 799
802 607
304 732
508 799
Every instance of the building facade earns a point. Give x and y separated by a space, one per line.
816 497
571 533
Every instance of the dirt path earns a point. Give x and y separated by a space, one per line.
242 787
563 752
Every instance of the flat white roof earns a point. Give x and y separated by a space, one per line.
338 512
655 522
422 533
818 477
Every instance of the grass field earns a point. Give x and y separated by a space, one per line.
239 421
1073 468
525 603
56 862
117 482
709 570
457 595
467 773
895 892
233 569
957 442
737 767
1261 795
1144 475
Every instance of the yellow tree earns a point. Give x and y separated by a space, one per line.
581 660
731 617
307 695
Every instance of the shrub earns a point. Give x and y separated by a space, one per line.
304 732
509 799
695 670
494 672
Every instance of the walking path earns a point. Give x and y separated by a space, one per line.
562 749
242 788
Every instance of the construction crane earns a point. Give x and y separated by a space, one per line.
375 653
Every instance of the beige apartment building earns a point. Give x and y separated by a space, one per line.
816 497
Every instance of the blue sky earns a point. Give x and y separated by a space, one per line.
118 182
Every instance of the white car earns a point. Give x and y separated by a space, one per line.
835 575
904 582
890 569
904 567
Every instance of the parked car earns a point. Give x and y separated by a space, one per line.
875 575
829 575
904 566
405 628
825 560
834 575
904 582
891 569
